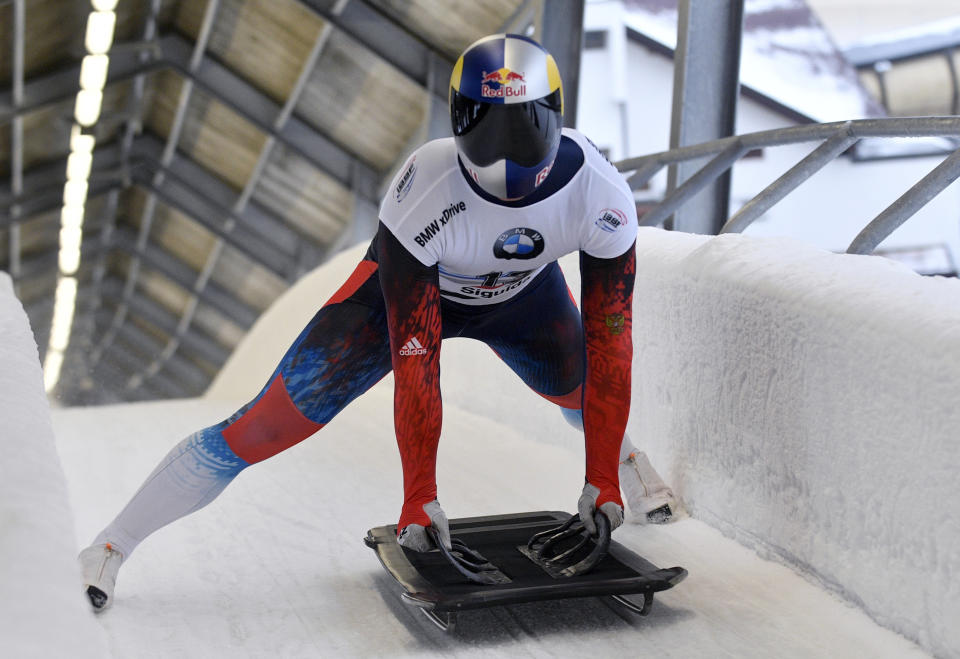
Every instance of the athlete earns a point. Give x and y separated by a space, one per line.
467 246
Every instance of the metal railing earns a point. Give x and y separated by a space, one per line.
834 138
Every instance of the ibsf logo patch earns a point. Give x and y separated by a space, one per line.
518 243
611 219
502 83
406 180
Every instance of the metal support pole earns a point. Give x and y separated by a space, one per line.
912 200
705 88
641 176
704 177
954 80
16 139
773 193
839 135
562 35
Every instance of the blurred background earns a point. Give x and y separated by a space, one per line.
168 168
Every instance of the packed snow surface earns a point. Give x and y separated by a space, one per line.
276 565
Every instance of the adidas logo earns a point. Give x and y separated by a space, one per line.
413 347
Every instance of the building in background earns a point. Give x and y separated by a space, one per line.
792 73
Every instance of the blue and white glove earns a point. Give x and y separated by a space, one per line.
587 506
414 536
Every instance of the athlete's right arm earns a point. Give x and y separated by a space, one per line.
411 293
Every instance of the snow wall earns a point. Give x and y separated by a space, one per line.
801 401
805 403
42 613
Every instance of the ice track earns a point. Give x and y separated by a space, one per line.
276 566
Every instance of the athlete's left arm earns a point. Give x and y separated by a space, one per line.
607 300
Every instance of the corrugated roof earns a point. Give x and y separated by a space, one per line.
221 173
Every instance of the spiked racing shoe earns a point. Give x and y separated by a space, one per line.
649 499
99 565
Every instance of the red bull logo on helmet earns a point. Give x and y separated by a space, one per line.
502 83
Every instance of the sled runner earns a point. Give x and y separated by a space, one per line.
508 554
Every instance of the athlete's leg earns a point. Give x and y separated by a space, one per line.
341 353
538 334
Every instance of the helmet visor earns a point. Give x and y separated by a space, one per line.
524 133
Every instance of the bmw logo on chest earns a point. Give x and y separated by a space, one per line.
518 243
